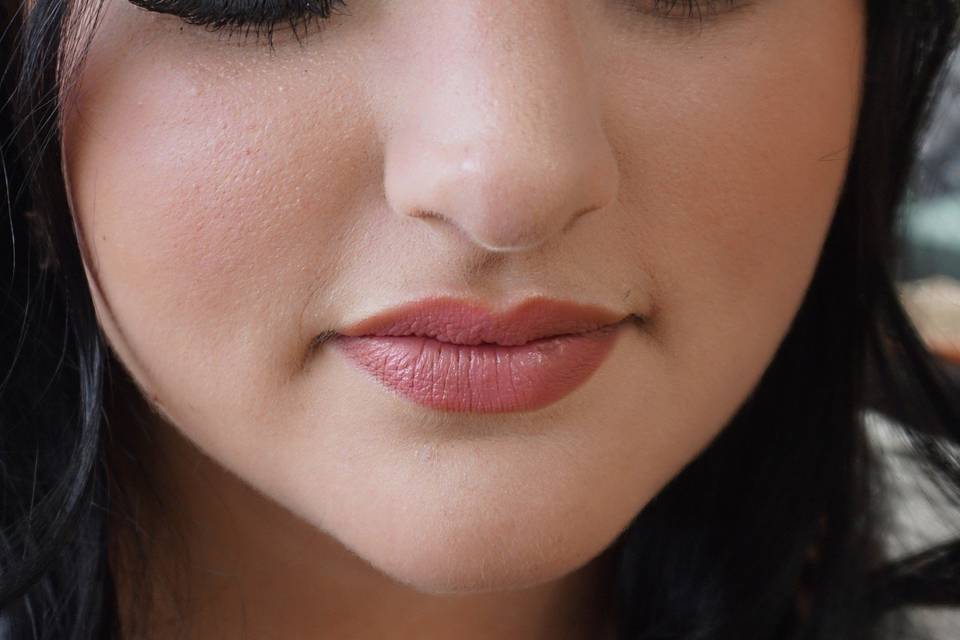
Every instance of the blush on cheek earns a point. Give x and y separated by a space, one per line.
209 215
161 192
191 190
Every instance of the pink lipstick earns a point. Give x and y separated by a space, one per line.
452 355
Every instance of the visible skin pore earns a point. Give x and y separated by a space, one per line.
234 202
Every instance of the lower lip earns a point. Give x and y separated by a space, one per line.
485 378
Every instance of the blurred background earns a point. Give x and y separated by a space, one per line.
929 282
929 270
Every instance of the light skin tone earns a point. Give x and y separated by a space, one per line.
234 202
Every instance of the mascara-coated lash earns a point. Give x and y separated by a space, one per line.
258 16
262 16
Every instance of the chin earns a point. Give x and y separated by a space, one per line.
482 553
496 569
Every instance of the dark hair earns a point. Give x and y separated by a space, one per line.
789 499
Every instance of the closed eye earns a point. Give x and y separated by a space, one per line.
261 18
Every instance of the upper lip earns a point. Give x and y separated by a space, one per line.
472 323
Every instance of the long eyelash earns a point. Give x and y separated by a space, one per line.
261 17
245 17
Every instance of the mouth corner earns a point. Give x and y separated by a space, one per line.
323 338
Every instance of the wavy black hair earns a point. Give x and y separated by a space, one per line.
775 531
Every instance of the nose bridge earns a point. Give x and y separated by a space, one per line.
496 128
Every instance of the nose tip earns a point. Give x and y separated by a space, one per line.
516 238
495 130
502 211
500 197
500 240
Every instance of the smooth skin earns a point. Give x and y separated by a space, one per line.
233 202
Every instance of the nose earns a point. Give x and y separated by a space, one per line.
495 127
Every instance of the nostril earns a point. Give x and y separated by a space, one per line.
425 213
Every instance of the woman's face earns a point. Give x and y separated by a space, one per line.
236 202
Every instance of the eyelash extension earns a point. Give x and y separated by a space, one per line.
261 17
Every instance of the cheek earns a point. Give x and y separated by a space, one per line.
734 174
207 213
